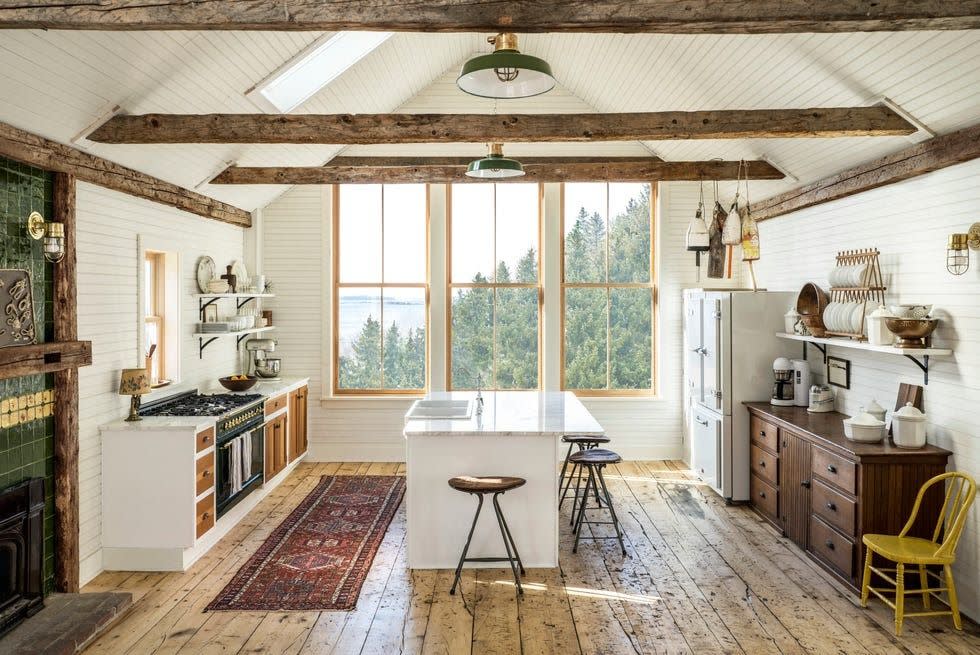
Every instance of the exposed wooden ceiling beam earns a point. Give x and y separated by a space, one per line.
419 162
553 172
362 129
938 152
653 16
37 151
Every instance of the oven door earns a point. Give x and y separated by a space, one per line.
228 495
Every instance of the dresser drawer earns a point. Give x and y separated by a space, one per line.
834 469
764 464
830 546
205 473
273 405
765 498
205 515
833 507
764 434
205 439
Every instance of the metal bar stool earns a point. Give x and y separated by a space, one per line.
583 442
480 486
596 459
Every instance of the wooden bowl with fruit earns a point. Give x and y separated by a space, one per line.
238 382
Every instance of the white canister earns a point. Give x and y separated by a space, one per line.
909 427
878 334
876 410
790 319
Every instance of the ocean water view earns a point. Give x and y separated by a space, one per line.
407 313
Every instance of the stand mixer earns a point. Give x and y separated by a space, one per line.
260 364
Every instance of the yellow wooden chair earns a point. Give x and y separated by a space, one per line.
915 551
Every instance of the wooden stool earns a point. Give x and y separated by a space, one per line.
480 486
596 459
584 442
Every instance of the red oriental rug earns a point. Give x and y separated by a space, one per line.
318 557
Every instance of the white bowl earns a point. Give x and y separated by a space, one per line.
864 433
218 286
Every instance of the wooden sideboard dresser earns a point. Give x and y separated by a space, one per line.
824 491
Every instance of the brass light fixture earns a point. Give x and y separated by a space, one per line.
52 233
958 249
495 166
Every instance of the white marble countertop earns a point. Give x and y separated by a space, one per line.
511 413
198 423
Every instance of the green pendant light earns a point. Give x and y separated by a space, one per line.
495 166
506 73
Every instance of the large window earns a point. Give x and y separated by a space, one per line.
608 291
381 293
494 289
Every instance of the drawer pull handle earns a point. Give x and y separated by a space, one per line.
805 483
832 507
762 463
762 494
206 515
762 433
206 473
829 544
831 468
206 438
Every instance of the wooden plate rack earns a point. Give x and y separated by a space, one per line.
872 286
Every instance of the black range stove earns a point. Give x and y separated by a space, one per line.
240 417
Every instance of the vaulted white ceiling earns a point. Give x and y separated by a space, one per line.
58 84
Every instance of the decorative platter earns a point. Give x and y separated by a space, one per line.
205 273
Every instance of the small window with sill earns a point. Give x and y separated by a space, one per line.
161 318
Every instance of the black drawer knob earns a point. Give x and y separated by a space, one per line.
762 494
829 544
762 433
762 463
831 468
805 483
832 507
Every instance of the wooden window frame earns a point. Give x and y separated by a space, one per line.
654 302
158 299
338 285
450 286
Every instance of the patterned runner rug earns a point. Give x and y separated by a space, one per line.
318 557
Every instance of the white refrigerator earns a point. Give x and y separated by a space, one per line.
729 346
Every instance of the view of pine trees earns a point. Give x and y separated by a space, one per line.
494 329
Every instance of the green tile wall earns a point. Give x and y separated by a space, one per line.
27 449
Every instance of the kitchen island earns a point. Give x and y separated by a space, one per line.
517 434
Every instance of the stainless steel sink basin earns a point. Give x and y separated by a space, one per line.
441 409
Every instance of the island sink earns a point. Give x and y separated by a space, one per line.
440 409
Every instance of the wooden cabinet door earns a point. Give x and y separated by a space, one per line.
297 423
270 449
301 420
280 443
794 486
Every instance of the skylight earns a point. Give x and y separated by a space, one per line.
317 66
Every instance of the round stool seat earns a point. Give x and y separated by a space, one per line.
584 438
595 456
485 485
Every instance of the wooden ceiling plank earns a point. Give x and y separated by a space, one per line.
49 155
365 129
926 157
637 16
568 172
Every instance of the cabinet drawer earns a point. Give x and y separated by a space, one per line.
764 497
205 439
273 405
834 469
205 473
833 507
764 434
830 546
764 464
205 515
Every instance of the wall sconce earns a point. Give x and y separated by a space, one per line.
958 249
52 233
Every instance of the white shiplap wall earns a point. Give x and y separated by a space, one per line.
109 224
909 223
293 236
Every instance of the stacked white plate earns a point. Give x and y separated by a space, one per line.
845 317
847 276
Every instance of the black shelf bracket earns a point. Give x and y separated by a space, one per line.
202 344
924 365
822 348
202 304
244 301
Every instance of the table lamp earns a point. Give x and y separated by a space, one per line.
134 382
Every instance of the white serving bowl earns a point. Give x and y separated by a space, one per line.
864 433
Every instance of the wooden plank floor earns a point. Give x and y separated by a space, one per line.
699 577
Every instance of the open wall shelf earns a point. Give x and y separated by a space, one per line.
912 354
241 299
204 339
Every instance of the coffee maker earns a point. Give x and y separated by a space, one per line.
782 388
260 364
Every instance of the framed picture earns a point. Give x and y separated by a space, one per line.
839 372
211 314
